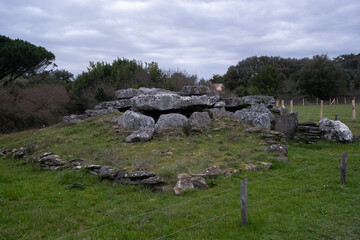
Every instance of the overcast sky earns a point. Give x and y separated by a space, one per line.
201 37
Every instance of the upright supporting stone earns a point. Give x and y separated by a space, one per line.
243 195
343 167
321 109
353 110
291 105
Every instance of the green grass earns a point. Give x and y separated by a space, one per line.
302 199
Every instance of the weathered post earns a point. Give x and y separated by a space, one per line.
344 100
282 104
321 109
353 110
343 167
291 105
243 195
337 100
277 103
303 102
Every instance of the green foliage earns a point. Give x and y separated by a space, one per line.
267 81
216 78
241 91
322 78
19 57
101 95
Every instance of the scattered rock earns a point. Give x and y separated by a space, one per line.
199 182
98 112
134 120
184 182
277 148
75 118
19 153
210 172
335 131
51 162
199 119
282 159
141 135
152 180
250 167
267 165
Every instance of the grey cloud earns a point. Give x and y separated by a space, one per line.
203 37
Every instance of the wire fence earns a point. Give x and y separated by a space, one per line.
200 198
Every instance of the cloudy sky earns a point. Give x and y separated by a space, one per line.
201 37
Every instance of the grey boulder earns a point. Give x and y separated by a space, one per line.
257 115
170 121
141 135
126 93
134 120
335 131
199 119
197 90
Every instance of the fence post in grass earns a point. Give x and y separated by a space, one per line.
344 158
243 195
277 103
337 100
282 104
291 105
303 102
344 100
321 109
317 101
353 110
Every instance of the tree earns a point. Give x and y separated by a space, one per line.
18 57
268 81
322 78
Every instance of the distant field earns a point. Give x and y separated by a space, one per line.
344 112
302 199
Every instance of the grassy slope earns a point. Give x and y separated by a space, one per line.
301 199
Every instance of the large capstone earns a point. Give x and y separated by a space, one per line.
170 121
335 130
257 115
171 101
197 90
134 120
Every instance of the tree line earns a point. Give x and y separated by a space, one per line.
34 92
316 77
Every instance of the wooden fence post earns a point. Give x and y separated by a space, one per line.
291 105
244 218
282 104
344 100
353 110
303 102
344 158
277 103
321 109
337 100
317 101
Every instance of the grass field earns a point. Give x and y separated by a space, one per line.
302 199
